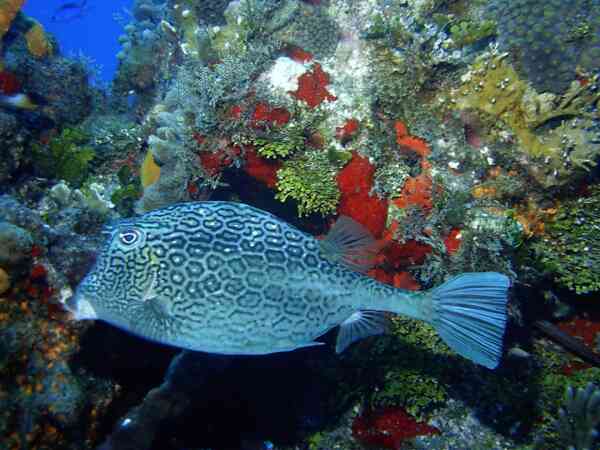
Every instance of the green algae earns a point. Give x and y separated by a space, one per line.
278 149
569 249
66 157
309 180
128 192
411 378
466 32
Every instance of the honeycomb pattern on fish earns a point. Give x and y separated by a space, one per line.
220 277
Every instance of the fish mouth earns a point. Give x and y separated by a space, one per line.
80 307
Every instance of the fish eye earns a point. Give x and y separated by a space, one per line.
129 237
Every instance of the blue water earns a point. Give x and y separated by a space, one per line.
94 35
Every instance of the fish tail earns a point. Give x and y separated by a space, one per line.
469 313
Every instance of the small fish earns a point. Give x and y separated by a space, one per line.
70 11
18 102
227 278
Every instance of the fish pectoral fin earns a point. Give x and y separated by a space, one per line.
160 305
361 324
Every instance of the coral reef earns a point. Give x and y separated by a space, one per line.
579 417
465 33
568 249
463 135
42 394
63 80
66 157
311 29
551 39
16 245
554 156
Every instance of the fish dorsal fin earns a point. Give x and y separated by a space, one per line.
361 324
349 243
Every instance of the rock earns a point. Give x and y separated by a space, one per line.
15 244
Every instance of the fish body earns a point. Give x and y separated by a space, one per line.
69 11
228 278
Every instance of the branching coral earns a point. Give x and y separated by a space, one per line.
578 420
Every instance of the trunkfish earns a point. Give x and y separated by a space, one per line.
228 278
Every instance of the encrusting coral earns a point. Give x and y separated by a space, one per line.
553 156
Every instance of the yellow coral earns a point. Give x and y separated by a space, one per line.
8 12
493 87
186 16
37 41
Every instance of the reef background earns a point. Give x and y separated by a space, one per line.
462 134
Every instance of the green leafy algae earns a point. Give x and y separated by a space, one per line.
411 378
66 157
570 248
310 180
467 32
281 143
128 193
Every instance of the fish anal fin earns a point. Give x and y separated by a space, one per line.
359 325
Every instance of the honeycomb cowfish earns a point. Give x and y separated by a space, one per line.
227 278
